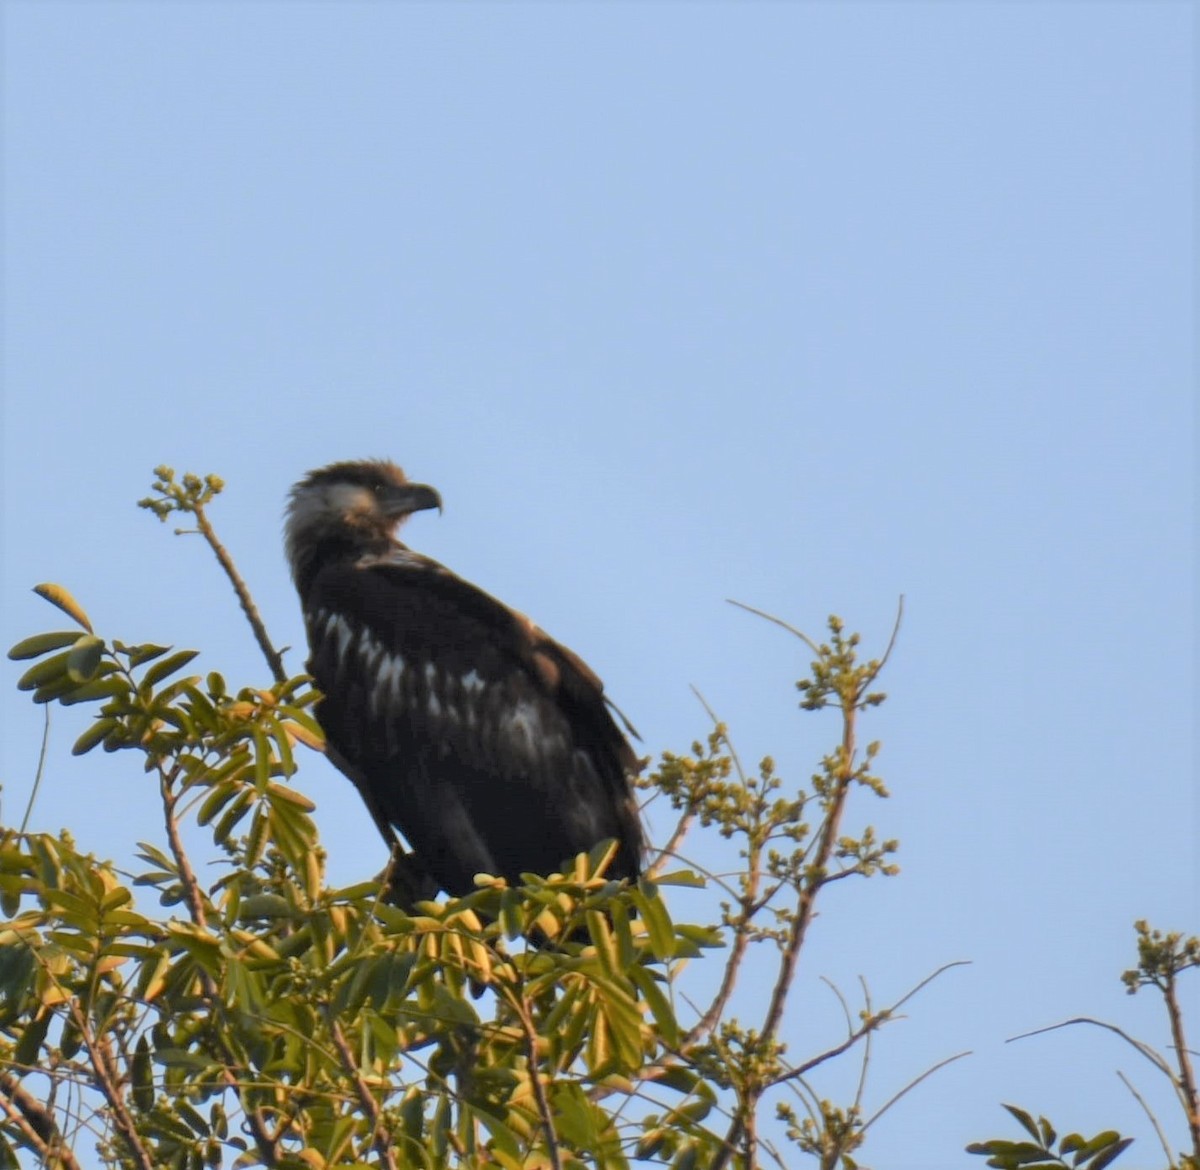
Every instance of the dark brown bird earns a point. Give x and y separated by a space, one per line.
486 743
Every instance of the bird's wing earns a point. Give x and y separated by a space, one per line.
484 740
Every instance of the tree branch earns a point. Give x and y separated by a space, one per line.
1187 1078
267 1143
108 1082
35 1123
539 1090
380 1138
273 657
809 890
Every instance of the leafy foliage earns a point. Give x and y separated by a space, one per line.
261 1018
1162 958
1039 1153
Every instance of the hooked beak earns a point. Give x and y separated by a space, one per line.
407 498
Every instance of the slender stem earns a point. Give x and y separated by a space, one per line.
741 943
35 1123
187 876
1187 1078
267 1143
520 1006
107 1080
41 767
380 1138
1162 1137
273 657
910 1086
813 884
803 917
748 902
668 850
750 1140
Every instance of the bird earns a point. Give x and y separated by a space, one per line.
491 747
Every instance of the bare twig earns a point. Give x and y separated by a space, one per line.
187 876
1162 1137
108 1080
1187 1079
266 1142
762 613
871 1024
35 1123
912 1085
380 1138
895 634
812 885
816 877
41 767
748 903
273 657
682 826
1149 1053
520 1006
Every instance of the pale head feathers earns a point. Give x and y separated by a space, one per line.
355 505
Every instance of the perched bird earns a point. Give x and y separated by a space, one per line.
487 744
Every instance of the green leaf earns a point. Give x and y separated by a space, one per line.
84 658
30 1044
143 1076
57 595
277 793
279 734
1111 1154
657 1002
687 1158
657 920
147 652
256 838
1027 1122
167 666
221 794
680 877
41 644
94 735
70 1042
602 939
89 692
48 670
262 760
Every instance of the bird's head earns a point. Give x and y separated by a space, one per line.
357 504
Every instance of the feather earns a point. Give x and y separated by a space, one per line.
490 746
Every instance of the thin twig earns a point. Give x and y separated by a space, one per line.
1149 1053
892 640
912 1085
267 1143
1162 1137
748 905
668 850
187 876
1187 1079
521 1006
380 1138
273 657
35 1123
41 766
804 910
779 622
108 1081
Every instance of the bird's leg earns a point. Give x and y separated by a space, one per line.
405 881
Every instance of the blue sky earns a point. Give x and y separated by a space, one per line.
808 305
